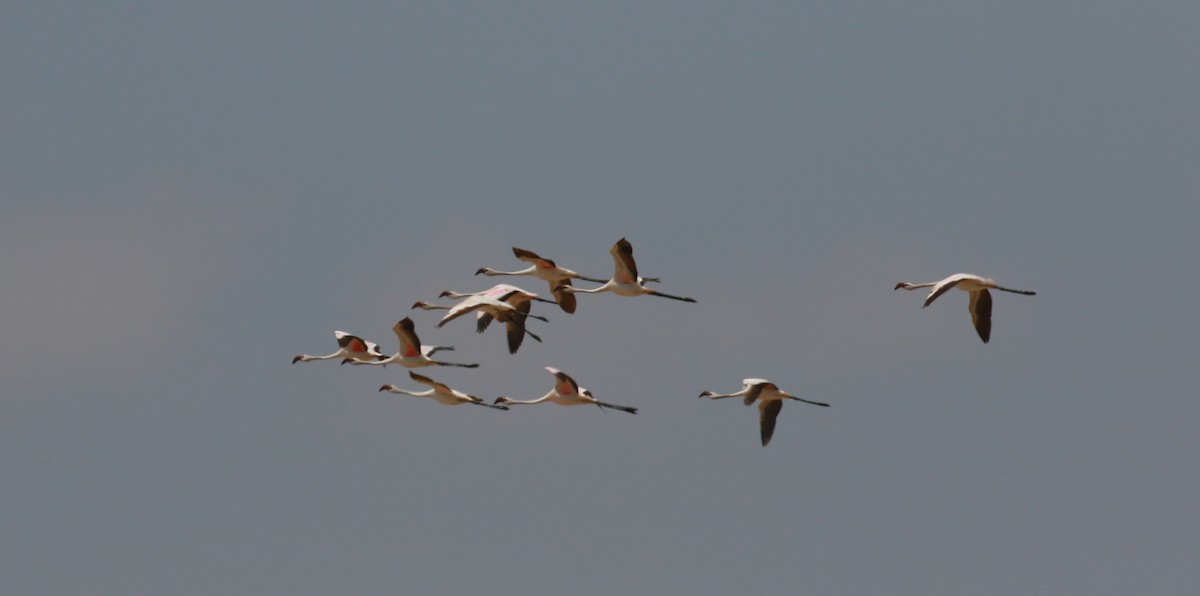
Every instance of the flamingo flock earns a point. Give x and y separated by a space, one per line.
511 305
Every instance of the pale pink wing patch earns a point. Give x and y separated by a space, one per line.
498 291
565 385
626 267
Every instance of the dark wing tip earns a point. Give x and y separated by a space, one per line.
981 313
769 411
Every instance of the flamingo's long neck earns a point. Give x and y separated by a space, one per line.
529 271
532 401
607 287
724 395
307 357
412 393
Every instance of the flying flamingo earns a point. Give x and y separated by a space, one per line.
411 353
519 298
351 347
546 270
625 281
440 392
505 303
567 392
981 300
770 402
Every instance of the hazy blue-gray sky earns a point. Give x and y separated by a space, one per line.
195 192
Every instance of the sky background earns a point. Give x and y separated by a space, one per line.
193 193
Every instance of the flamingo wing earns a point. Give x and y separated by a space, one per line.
516 335
564 384
768 411
566 300
753 390
626 268
351 343
530 257
410 344
481 324
460 309
424 380
981 313
941 288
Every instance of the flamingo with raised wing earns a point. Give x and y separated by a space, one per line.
625 280
350 347
411 353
